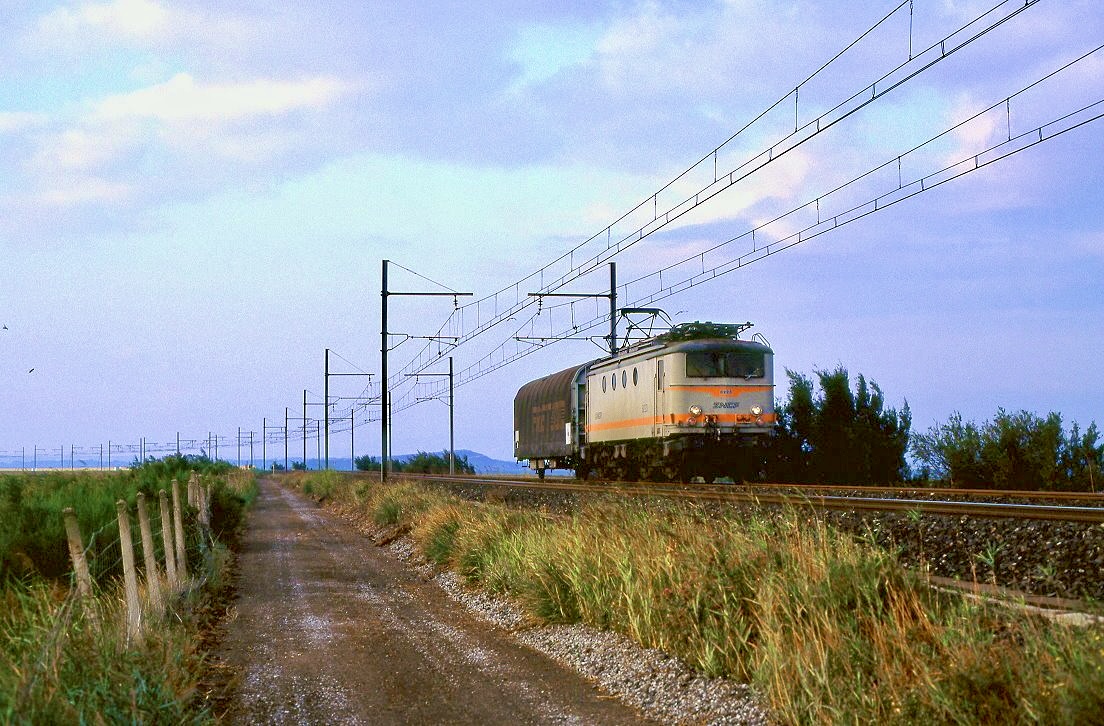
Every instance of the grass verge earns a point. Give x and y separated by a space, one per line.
68 660
830 629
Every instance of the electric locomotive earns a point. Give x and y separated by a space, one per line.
694 401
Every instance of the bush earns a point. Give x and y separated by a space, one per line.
64 660
420 463
425 463
1013 451
367 463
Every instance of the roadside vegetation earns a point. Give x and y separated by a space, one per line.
829 629
64 659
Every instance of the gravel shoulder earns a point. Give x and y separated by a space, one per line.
659 685
328 628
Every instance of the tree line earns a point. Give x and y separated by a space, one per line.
831 432
421 463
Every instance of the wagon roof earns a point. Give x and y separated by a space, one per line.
556 385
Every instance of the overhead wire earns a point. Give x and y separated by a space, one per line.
1013 144
869 94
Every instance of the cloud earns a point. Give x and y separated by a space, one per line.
81 148
147 123
181 98
12 122
131 19
85 190
80 35
179 139
1090 244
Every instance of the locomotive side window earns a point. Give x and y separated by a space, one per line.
614 379
603 384
725 364
636 377
624 379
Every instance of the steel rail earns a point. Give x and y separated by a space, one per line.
938 491
1066 513
881 489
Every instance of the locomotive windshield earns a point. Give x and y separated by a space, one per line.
725 364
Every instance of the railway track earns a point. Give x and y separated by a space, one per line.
806 496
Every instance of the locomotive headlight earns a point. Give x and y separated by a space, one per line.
695 410
756 410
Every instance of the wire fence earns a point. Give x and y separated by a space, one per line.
105 566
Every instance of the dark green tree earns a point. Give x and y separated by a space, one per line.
839 436
951 452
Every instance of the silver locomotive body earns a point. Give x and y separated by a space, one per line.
687 403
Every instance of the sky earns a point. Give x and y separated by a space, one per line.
196 197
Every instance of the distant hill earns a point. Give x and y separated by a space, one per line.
486 465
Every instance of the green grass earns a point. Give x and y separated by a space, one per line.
32 538
57 666
65 660
830 629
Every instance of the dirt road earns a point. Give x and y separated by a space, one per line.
331 629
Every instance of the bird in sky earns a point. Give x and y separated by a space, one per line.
31 371
5 327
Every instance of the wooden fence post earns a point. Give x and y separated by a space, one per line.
167 539
153 577
178 522
130 574
76 553
204 505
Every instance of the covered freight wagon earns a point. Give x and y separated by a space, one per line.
549 417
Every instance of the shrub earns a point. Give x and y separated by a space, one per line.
1013 451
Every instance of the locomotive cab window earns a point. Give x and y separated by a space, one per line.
725 364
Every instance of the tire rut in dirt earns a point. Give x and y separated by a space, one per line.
331 629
